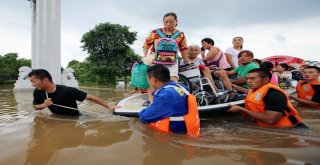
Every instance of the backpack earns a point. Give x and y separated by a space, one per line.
166 50
139 75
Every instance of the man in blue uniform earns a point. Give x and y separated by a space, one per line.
168 100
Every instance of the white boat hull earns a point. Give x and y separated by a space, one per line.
132 105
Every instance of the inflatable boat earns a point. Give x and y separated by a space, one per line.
132 105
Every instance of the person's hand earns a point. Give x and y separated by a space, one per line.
292 97
235 109
48 102
213 67
187 62
112 108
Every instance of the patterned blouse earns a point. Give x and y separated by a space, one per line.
153 38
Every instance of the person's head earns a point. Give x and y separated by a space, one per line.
293 66
40 78
207 43
256 78
282 67
311 73
245 57
267 65
193 51
257 61
158 75
237 42
303 67
170 21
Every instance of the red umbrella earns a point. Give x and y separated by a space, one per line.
277 59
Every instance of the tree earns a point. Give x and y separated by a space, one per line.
131 57
9 66
82 71
108 48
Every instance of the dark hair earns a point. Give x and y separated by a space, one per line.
160 72
208 40
313 67
40 74
262 73
170 14
257 61
246 51
267 65
284 65
241 39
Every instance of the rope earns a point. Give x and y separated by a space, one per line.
62 105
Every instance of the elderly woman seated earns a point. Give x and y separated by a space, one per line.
193 52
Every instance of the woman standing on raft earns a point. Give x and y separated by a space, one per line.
164 43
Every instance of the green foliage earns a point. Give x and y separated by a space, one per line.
82 71
109 52
9 66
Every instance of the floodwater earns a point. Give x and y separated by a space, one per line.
98 137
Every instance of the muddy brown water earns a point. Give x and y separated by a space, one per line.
98 137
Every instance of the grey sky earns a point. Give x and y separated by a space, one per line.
268 27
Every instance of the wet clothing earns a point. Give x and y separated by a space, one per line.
243 70
167 102
309 91
316 96
65 96
257 101
275 101
191 119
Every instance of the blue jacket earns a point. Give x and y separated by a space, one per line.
167 102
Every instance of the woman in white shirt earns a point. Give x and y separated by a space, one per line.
282 72
232 52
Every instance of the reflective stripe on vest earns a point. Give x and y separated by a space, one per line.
254 102
178 118
191 119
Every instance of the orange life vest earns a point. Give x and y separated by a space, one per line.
191 119
254 102
305 91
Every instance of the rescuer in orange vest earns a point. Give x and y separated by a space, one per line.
173 109
268 104
308 89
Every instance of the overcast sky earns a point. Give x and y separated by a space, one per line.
270 27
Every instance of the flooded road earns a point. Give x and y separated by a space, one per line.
98 137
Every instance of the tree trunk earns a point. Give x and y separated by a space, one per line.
125 82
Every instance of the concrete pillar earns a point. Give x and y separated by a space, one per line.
46 37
